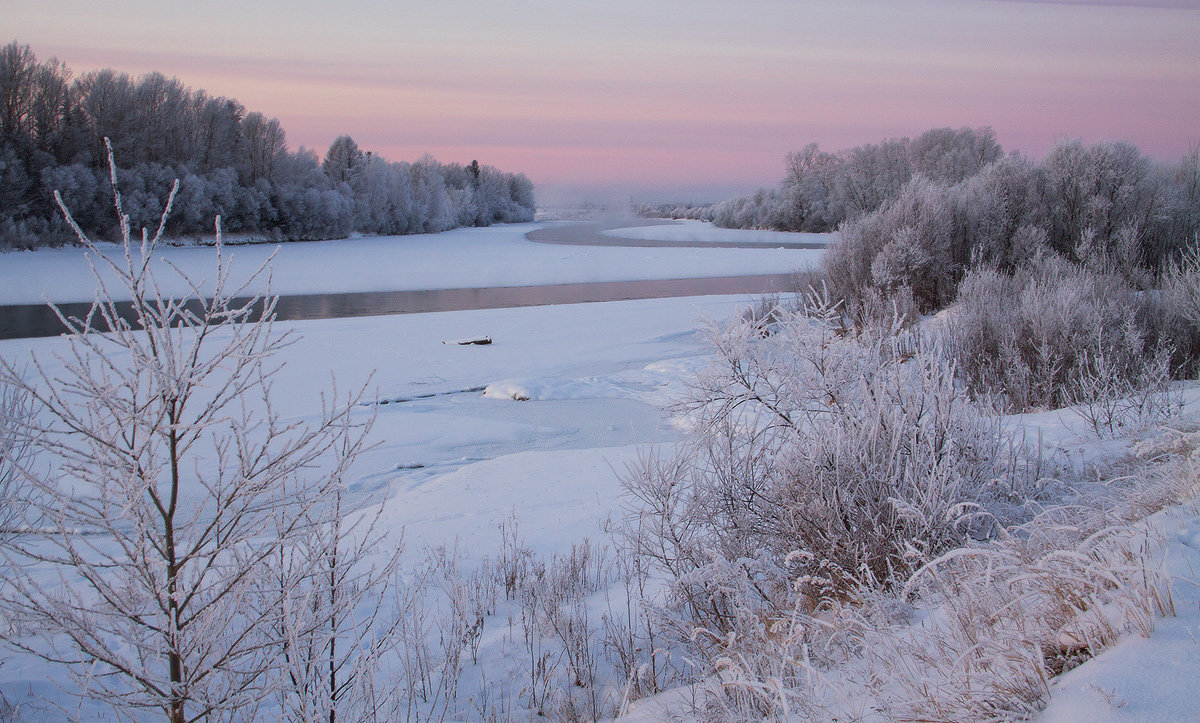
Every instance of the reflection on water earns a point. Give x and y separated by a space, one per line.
34 320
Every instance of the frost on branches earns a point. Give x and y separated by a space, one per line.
173 518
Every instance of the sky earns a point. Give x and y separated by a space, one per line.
669 100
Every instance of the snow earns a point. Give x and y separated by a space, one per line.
463 258
597 373
1146 679
558 497
690 230
1067 432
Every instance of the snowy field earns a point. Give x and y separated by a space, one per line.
689 230
464 258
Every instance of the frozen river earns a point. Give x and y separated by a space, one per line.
38 320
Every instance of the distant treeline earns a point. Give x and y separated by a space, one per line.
228 162
1077 195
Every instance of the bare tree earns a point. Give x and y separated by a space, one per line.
175 487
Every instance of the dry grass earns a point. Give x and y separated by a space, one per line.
1049 595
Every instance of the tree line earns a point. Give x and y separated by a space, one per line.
1078 195
229 162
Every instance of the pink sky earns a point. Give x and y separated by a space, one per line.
666 99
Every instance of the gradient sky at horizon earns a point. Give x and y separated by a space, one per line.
660 100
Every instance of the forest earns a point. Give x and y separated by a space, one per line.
229 162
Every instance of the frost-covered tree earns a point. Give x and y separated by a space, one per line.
174 487
18 72
232 163
873 175
947 155
265 143
809 190
342 160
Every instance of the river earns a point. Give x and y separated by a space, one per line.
39 320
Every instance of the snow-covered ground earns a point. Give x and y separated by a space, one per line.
538 424
686 230
457 454
463 258
595 374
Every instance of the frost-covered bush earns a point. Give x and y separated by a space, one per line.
979 632
1181 301
819 464
1012 618
1055 334
913 244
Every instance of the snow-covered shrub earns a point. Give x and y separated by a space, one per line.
632 635
1115 391
978 632
1181 302
1056 333
563 639
819 464
913 243
1009 621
